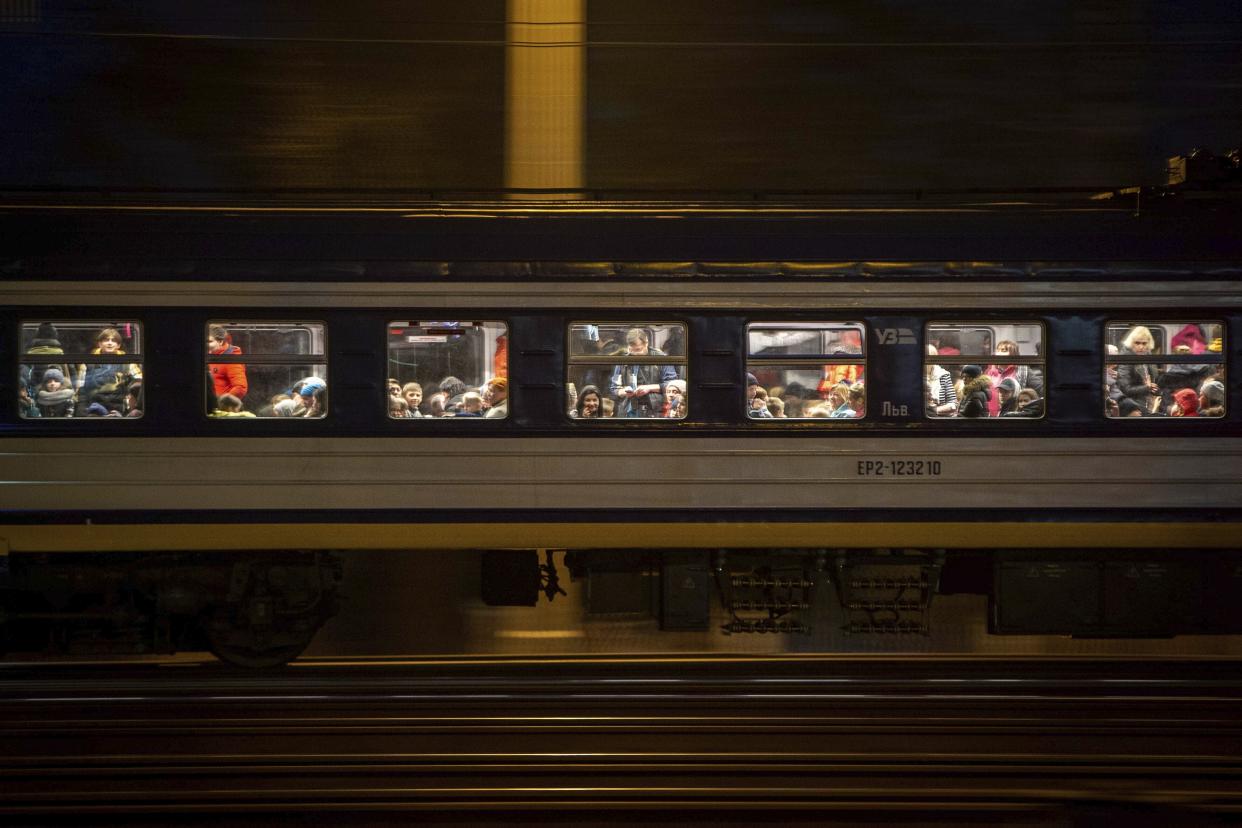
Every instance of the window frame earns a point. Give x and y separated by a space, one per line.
806 361
666 359
1107 359
24 358
261 359
1040 360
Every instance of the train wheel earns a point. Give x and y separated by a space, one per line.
257 658
245 645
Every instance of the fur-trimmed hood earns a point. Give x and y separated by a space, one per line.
979 384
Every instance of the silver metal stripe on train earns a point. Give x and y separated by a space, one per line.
615 473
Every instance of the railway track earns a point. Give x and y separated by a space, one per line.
738 740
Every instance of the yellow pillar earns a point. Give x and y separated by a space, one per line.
545 91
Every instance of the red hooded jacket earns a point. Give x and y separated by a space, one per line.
228 378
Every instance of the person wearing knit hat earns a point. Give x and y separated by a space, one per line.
55 396
976 392
46 336
1212 399
314 395
310 385
46 341
756 407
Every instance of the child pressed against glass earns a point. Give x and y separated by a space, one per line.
412 393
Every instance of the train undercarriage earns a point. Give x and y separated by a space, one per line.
262 609
1088 593
249 609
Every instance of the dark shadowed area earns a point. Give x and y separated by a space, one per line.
748 95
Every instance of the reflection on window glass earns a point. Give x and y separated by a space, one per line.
1164 369
80 369
627 370
266 369
983 370
806 370
448 369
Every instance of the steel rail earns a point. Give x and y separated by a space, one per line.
488 737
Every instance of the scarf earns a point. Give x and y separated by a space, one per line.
60 397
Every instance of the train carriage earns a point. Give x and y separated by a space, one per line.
221 511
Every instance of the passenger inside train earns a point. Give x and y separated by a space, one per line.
794 370
805 370
79 369
266 370
626 370
966 376
1164 369
463 363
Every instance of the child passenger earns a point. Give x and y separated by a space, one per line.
412 393
675 399
228 405
54 398
471 405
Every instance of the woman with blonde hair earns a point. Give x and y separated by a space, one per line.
839 400
1139 381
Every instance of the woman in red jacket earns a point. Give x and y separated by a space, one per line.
226 377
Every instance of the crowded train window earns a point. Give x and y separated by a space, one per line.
266 369
80 369
982 370
448 369
627 370
1164 369
806 370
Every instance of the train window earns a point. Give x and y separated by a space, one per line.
87 368
980 370
806 370
1145 377
627 369
266 369
448 369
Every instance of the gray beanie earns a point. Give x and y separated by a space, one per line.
1214 392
